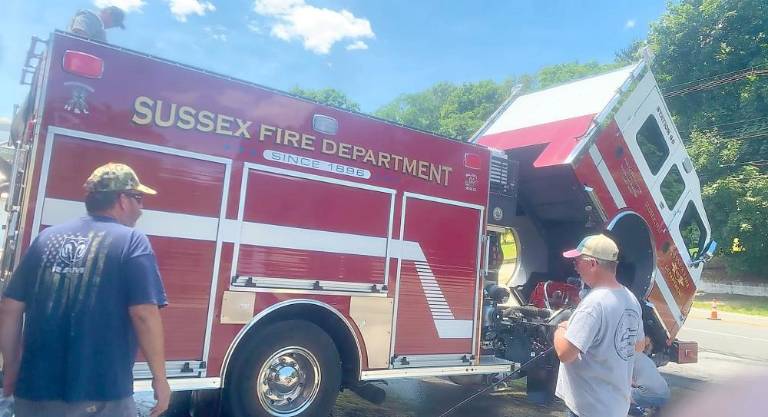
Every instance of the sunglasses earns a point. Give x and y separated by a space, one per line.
582 259
138 197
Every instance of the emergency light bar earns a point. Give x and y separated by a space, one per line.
82 64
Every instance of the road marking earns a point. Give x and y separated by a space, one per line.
726 334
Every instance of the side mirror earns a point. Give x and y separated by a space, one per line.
706 254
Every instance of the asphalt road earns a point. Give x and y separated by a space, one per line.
729 348
735 335
734 346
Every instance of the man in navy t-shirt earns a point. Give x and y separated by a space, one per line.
89 292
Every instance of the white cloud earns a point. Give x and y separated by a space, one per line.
5 120
183 8
253 26
317 28
630 24
357 45
218 32
127 5
276 7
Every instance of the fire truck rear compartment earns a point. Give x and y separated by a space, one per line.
554 212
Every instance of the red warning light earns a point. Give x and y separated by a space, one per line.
82 64
472 161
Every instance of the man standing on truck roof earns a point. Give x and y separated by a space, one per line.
93 26
87 294
596 347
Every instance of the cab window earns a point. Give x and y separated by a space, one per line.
652 144
693 231
672 187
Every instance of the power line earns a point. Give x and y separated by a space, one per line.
745 135
718 75
709 127
707 85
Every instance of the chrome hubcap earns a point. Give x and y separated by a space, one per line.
288 381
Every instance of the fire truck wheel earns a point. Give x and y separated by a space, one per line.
290 368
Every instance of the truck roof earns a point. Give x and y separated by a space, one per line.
556 117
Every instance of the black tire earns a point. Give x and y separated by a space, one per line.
305 346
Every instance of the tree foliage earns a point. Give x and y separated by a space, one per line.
707 49
711 59
328 96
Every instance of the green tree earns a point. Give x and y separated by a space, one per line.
736 199
712 55
469 106
328 96
419 110
711 60
562 73
457 111
630 54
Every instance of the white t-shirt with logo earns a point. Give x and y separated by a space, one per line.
605 327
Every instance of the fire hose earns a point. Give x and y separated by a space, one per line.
505 379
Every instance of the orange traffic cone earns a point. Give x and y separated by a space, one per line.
713 312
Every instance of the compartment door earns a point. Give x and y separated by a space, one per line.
181 221
437 291
311 234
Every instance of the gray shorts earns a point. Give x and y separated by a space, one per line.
118 408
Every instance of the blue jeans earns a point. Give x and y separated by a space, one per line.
649 399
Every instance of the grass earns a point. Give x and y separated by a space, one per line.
744 304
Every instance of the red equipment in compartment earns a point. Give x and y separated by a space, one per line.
554 295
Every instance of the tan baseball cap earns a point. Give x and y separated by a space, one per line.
595 246
115 177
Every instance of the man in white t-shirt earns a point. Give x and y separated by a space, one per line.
596 347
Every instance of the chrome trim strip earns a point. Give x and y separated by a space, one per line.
437 371
308 291
440 360
217 264
397 285
172 369
180 384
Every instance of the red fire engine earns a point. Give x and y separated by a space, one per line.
306 248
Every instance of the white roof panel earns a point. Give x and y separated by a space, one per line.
579 98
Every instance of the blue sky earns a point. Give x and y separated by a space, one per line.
372 50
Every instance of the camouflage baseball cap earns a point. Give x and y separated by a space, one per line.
115 177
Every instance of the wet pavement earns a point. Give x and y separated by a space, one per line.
433 396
